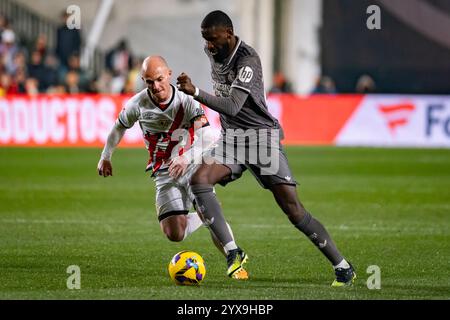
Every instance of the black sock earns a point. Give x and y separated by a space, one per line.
211 210
317 233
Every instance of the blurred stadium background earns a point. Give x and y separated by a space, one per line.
331 81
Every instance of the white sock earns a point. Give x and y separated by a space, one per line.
343 264
193 222
230 246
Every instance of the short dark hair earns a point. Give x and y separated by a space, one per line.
217 18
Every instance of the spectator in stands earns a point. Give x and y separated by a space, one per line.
8 49
324 85
280 84
7 85
365 84
68 41
117 83
118 63
4 23
20 78
93 86
103 83
41 45
119 59
19 62
134 81
75 65
31 86
51 72
37 70
72 82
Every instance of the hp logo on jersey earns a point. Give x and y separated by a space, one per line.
245 74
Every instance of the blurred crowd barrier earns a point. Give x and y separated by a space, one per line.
344 120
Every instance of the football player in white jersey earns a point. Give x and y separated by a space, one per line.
176 133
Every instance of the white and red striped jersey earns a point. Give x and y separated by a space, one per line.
161 122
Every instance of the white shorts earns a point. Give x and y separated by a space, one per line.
173 196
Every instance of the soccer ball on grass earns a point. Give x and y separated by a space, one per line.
187 268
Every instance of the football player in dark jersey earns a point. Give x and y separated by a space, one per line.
240 100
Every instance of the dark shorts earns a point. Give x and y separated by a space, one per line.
268 171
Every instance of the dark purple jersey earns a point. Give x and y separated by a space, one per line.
242 70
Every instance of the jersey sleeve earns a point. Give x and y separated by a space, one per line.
247 70
194 111
129 114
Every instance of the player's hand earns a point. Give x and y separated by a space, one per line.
178 167
185 85
104 168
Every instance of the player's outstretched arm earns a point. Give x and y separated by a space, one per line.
227 105
104 166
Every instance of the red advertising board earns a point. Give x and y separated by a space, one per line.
362 120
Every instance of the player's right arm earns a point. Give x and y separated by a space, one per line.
226 105
104 166
126 119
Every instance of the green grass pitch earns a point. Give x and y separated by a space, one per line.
384 207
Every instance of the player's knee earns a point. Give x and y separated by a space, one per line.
200 177
175 236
